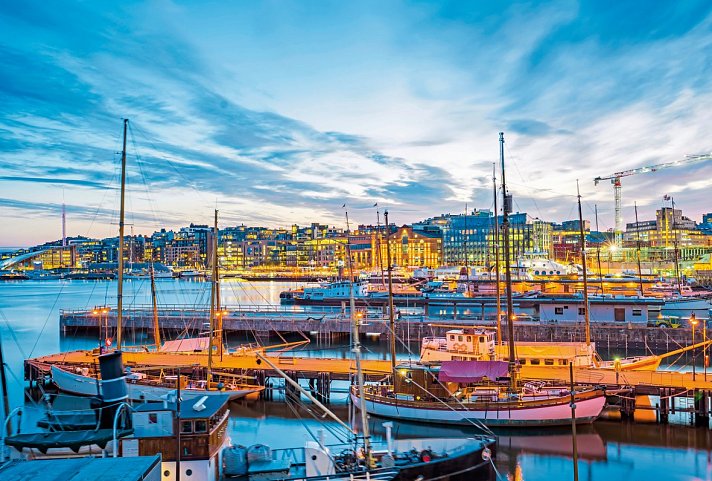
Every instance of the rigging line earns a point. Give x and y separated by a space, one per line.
294 403
474 422
139 163
186 181
112 181
14 337
49 314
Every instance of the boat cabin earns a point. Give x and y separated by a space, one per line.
414 381
202 425
464 344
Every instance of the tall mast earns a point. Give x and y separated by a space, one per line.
496 256
156 327
467 266
637 248
357 344
507 200
5 399
378 246
582 238
391 320
598 249
120 293
216 282
213 293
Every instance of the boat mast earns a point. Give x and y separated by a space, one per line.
378 247
5 399
357 343
496 255
120 293
467 264
211 333
582 238
216 282
507 207
156 327
598 249
637 249
391 319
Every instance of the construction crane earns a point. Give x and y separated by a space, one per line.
616 181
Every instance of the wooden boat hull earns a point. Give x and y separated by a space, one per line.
87 386
557 412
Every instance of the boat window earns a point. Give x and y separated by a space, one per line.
152 418
535 362
452 337
459 338
637 312
522 362
559 311
548 362
186 427
469 338
201 426
582 311
564 362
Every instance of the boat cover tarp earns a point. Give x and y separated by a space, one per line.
64 439
472 371
191 344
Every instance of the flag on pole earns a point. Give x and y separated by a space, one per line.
666 197
376 204
343 206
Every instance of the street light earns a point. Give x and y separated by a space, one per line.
693 323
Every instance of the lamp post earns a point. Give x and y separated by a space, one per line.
693 324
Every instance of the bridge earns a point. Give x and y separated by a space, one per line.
57 255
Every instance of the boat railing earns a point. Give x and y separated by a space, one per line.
115 442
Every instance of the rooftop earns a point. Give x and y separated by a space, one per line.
82 469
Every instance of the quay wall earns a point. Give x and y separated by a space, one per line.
323 326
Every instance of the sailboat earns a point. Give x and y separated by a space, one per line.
153 380
461 458
480 392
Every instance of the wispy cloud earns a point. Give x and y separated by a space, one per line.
287 122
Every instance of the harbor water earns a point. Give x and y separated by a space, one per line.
608 450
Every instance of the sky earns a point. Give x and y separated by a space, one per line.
280 112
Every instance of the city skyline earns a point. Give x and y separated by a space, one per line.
280 113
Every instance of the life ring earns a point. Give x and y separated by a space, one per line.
426 456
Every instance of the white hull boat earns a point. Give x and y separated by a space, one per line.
75 383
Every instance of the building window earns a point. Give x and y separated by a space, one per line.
186 427
201 426
619 314
559 311
582 311
637 312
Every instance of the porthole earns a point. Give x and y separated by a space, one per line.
166 473
188 472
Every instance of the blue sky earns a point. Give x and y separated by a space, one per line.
281 112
